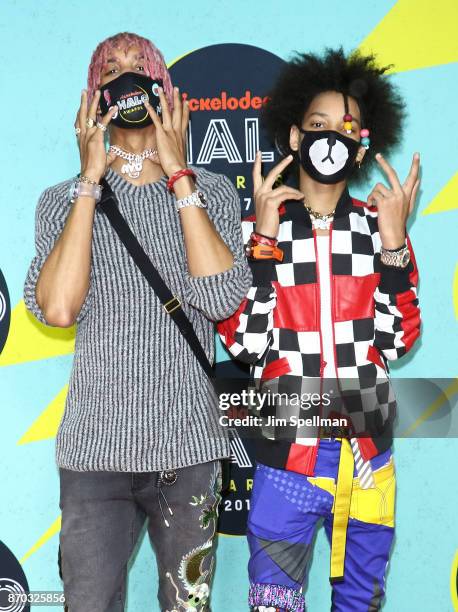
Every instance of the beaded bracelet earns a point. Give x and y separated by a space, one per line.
85 179
263 239
177 175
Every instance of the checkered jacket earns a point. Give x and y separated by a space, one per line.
375 319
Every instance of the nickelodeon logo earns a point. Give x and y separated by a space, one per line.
224 102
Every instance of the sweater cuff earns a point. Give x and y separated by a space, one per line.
263 271
30 298
394 280
219 295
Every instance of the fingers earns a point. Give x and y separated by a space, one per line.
276 170
77 123
105 120
177 110
413 197
110 157
185 118
154 116
166 117
257 176
94 104
381 190
286 193
413 174
389 171
372 198
83 111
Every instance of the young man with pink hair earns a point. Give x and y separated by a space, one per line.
140 436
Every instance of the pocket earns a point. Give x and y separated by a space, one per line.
223 476
376 506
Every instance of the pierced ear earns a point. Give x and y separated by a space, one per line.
361 153
294 138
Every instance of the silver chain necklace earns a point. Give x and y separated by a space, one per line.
134 164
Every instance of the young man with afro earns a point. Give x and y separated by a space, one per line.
333 300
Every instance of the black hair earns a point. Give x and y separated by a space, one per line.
307 75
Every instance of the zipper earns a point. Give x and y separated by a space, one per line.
318 310
331 283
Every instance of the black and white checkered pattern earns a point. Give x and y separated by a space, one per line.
252 335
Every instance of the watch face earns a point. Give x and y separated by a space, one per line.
202 198
405 259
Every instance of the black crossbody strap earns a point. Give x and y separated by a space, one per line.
171 303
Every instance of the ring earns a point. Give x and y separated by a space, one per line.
90 122
77 131
101 126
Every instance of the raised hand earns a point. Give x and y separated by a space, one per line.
267 200
171 131
94 159
395 205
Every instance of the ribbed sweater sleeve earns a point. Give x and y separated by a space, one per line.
51 213
219 295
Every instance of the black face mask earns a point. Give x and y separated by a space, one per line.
327 156
128 91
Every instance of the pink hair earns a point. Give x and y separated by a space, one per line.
154 61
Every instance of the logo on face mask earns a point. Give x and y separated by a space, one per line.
129 92
327 156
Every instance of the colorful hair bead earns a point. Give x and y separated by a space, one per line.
365 142
347 126
364 133
348 117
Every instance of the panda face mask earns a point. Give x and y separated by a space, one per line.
327 156
129 91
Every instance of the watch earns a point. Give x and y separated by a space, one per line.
254 250
395 258
196 198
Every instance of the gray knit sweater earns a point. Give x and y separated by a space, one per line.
138 400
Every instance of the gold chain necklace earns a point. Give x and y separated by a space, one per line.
320 221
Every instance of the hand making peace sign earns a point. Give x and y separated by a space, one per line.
395 205
267 200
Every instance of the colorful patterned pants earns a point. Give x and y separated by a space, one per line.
285 509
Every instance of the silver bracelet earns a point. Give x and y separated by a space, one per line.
196 198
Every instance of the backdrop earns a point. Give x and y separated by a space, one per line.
44 56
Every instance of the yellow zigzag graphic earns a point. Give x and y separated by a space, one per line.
45 426
444 396
55 528
446 199
29 340
415 34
